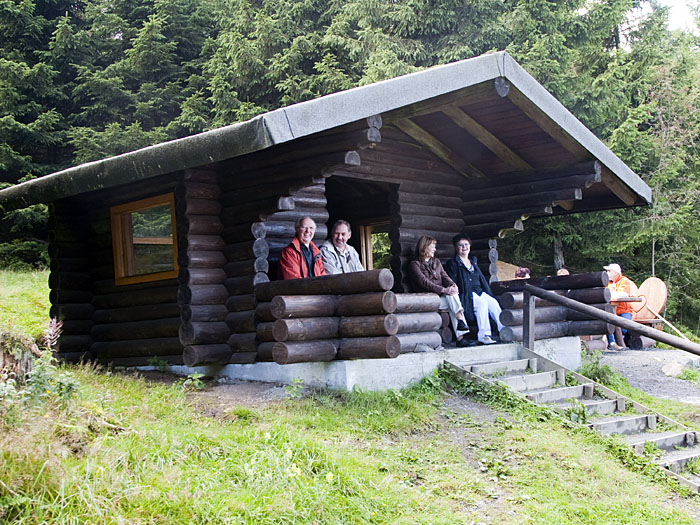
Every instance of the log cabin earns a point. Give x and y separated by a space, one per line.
170 251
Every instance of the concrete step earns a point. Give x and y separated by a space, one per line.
554 395
524 383
599 407
669 440
503 368
675 460
624 424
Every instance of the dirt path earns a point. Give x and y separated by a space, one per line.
645 369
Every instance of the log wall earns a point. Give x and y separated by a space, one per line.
124 325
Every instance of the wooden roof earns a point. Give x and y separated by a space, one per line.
486 117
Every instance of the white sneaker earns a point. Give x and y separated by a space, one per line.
486 340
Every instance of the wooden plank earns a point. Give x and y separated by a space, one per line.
616 186
480 133
438 148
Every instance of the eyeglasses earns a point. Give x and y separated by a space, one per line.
463 245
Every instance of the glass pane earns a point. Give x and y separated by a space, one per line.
152 240
381 254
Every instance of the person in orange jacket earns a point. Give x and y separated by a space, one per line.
620 286
302 258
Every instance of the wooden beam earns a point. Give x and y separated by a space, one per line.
616 186
438 148
480 133
547 124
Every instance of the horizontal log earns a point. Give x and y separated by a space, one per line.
201 259
203 333
417 302
265 351
70 280
497 215
200 190
309 328
584 295
240 322
285 229
245 283
545 314
247 267
528 186
288 306
553 175
238 303
319 215
452 201
557 329
203 312
368 325
208 175
340 284
418 322
263 312
310 201
73 343
137 347
136 330
408 209
416 222
495 229
244 232
192 276
573 315
70 296
367 303
239 251
545 198
203 242
237 205
76 311
75 264
303 351
200 294
243 342
202 225
554 282
368 348
198 207
242 358
71 250
77 327
409 342
195 355
264 333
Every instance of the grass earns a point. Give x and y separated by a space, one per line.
24 300
131 451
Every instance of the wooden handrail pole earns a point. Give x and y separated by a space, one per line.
647 331
529 320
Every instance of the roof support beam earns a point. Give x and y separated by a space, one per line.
614 184
480 133
438 148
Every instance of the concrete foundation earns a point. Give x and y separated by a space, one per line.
383 374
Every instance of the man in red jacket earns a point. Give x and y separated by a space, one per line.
302 258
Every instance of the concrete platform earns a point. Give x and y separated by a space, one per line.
383 374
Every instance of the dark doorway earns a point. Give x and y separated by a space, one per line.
365 205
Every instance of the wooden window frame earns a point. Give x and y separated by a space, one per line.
123 242
366 240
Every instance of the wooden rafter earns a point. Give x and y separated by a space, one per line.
488 139
614 184
438 148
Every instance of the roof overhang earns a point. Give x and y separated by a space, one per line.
396 96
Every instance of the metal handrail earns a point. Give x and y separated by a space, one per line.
652 333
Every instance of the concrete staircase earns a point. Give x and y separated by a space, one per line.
544 382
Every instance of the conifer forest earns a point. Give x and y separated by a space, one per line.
81 80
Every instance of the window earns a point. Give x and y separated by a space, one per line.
376 245
144 240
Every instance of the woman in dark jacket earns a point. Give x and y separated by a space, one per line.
427 275
474 291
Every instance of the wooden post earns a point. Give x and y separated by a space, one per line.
529 321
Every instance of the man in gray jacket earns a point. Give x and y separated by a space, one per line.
338 255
